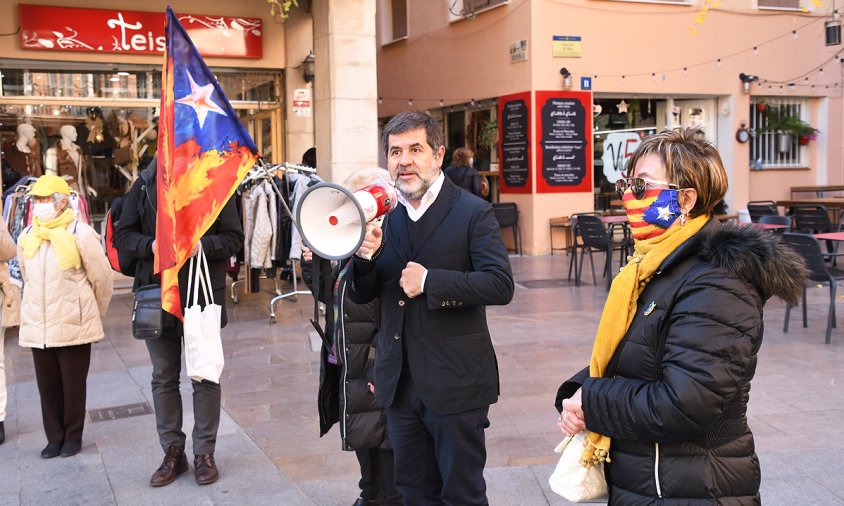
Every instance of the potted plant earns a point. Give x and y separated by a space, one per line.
787 127
489 136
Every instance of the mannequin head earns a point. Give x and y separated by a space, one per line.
26 133
68 133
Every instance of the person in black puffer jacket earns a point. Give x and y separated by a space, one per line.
669 380
346 374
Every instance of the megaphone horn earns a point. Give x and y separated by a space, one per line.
333 220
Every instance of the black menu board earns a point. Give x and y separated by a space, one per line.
563 143
514 115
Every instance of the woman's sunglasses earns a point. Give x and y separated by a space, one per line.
639 185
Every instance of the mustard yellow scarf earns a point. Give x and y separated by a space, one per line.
620 309
56 232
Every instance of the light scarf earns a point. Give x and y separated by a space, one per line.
620 309
55 231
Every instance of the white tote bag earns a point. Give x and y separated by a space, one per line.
203 346
571 480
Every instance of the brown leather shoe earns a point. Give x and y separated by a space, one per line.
174 464
205 469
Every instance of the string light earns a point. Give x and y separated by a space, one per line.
410 102
794 33
718 62
653 76
622 79
791 86
820 71
441 102
755 50
685 71
380 100
473 102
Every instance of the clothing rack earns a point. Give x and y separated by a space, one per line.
261 172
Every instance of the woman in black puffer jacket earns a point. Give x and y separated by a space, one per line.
667 388
346 374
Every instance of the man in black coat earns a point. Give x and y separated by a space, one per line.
134 236
439 262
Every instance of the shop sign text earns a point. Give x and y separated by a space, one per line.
54 28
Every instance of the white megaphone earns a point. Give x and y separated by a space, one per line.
332 220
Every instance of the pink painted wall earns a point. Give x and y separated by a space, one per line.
470 59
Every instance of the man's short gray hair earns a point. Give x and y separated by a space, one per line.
414 120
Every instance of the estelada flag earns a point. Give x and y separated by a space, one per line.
203 154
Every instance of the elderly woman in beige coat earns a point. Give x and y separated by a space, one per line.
8 296
67 286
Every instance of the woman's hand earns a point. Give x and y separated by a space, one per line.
307 255
571 419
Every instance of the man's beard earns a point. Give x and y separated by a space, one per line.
417 189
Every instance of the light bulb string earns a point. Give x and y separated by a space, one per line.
710 62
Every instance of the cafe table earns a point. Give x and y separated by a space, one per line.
830 236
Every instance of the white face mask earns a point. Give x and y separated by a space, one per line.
45 211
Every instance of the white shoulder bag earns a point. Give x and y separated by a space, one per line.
203 345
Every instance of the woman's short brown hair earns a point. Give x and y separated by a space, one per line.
690 162
461 157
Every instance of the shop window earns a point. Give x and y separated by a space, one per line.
393 20
468 9
779 4
140 84
109 110
771 149
620 125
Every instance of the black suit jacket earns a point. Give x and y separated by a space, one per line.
449 350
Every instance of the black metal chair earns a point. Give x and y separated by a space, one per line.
759 208
810 250
596 237
772 219
814 219
507 214
577 243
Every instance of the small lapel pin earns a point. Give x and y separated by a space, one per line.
650 308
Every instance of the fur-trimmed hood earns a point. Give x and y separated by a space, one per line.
758 256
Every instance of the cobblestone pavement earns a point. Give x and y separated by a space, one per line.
269 451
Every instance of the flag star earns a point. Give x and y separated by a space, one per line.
200 100
665 213
622 106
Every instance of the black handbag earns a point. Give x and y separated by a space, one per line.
147 313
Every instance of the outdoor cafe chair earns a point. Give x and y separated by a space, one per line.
776 219
810 250
507 214
814 219
596 237
577 243
759 208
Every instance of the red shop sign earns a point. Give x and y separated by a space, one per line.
52 28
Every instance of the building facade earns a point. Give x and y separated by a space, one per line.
640 66
96 65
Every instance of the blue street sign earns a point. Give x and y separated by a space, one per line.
585 83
